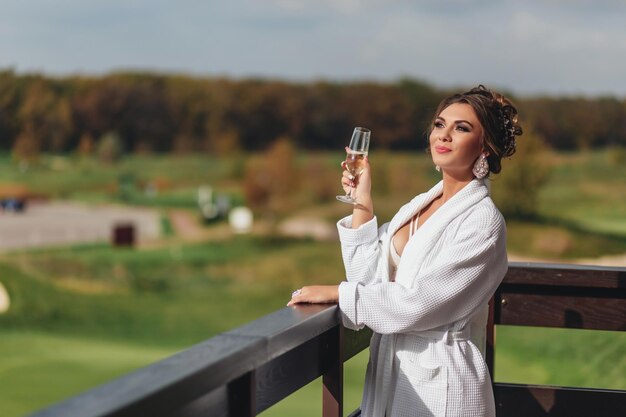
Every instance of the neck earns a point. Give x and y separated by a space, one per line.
453 184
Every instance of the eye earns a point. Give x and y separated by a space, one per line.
438 124
462 128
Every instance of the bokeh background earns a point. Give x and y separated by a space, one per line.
168 169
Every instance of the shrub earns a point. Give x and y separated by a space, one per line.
320 181
110 147
616 155
26 148
271 184
256 184
515 191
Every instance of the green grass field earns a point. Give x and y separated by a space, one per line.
85 314
562 357
40 368
587 190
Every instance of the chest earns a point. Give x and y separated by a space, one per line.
405 232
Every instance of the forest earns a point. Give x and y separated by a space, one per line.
170 113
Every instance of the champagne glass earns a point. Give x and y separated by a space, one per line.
357 151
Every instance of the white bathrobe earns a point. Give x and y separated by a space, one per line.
429 325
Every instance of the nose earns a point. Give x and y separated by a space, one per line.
444 136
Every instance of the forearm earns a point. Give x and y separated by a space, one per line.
363 212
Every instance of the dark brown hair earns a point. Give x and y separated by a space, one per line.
498 117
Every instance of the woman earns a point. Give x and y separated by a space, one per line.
422 281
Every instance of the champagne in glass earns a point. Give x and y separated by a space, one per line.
357 151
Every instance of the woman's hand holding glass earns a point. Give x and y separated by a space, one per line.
359 187
356 154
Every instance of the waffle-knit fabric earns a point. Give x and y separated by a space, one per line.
448 271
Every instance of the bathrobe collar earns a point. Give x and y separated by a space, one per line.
428 234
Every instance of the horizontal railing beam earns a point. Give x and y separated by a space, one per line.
516 400
563 296
565 275
562 311
200 374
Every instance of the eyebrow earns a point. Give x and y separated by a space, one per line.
456 121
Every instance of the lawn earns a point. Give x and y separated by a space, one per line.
175 294
38 368
588 190
562 357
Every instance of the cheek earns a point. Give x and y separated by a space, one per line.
477 145
432 138
480 143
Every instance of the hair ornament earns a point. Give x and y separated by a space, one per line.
508 116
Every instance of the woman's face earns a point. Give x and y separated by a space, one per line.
456 140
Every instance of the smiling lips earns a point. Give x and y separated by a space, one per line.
442 149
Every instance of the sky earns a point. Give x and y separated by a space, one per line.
528 47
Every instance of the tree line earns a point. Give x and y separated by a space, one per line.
146 112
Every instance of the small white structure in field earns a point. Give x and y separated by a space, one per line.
5 302
208 208
240 219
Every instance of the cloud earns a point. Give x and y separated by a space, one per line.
532 46
348 7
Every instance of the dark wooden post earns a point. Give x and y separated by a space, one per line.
242 396
490 336
332 380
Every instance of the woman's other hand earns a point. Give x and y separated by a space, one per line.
315 294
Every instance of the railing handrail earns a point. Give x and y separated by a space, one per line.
566 275
248 369
170 384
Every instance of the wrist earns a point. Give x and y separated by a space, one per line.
364 205
363 212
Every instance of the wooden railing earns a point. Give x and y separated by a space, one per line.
247 370
561 296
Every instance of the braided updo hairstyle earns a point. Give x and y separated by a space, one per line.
498 117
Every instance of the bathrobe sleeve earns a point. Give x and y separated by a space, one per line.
361 249
463 272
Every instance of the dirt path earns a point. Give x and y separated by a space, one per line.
186 225
63 223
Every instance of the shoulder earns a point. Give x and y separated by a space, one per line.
485 217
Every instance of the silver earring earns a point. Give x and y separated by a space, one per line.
438 168
481 167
